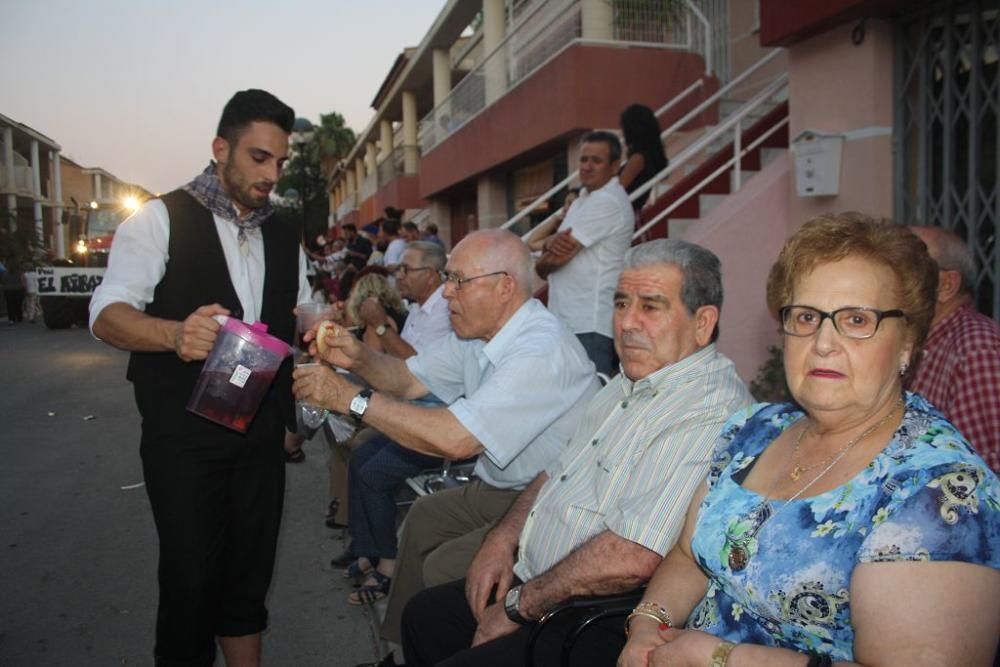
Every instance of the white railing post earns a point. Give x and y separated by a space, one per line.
737 147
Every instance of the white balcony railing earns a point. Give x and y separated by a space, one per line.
544 28
349 204
19 182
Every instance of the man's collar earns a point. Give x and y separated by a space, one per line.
612 181
432 300
690 366
510 331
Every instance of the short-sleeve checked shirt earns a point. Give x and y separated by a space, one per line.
960 374
635 461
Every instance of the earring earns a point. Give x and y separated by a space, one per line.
903 368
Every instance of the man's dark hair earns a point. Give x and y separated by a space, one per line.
431 228
390 227
349 225
411 227
609 138
248 106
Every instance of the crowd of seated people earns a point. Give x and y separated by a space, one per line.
856 524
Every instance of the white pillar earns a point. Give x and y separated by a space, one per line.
495 68
58 211
597 20
442 76
359 174
411 162
385 138
370 158
352 185
8 163
36 185
97 188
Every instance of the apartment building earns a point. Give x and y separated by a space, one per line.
773 112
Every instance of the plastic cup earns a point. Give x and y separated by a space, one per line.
307 315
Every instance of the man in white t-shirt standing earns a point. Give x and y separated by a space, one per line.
583 259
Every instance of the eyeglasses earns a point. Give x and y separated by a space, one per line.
403 269
852 321
450 277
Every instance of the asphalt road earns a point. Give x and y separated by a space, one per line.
78 546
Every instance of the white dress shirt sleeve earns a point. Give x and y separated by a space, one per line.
598 218
137 261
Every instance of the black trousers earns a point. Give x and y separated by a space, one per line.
438 628
217 502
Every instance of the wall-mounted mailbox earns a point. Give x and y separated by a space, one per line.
817 163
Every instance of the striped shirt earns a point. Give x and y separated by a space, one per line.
635 461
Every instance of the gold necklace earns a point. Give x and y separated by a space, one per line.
739 553
797 468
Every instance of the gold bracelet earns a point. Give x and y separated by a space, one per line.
720 656
628 619
657 609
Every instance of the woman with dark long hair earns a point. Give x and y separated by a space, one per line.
646 156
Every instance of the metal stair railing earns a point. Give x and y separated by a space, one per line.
558 187
685 154
695 149
738 155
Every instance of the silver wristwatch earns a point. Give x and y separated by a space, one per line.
359 404
510 603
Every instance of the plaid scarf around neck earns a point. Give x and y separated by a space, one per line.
208 190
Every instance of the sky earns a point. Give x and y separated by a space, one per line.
137 87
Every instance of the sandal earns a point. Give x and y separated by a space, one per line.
331 514
295 456
356 571
369 593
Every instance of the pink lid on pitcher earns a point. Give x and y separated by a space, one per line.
256 334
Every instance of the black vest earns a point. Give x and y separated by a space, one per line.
197 275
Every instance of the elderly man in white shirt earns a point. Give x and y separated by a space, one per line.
583 258
209 248
515 382
600 519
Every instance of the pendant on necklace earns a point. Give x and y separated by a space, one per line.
738 558
795 473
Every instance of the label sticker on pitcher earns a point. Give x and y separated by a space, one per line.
240 376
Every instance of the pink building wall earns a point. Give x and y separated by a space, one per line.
837 86
747 231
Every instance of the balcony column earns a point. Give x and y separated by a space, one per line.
370 158
411 162
495 65
98 188
359 175
58 226
352 185
36 188
385 138
8 165
442 76
598 20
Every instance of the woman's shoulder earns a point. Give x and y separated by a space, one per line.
748 432
926 438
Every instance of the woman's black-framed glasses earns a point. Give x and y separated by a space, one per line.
450 277
851 321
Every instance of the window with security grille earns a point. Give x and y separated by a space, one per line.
946 129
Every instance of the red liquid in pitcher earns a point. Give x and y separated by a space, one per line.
218 399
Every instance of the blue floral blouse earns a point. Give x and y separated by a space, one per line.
926 496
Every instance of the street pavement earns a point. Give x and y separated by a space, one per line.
78 549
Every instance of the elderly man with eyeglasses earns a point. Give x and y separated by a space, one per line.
515 383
